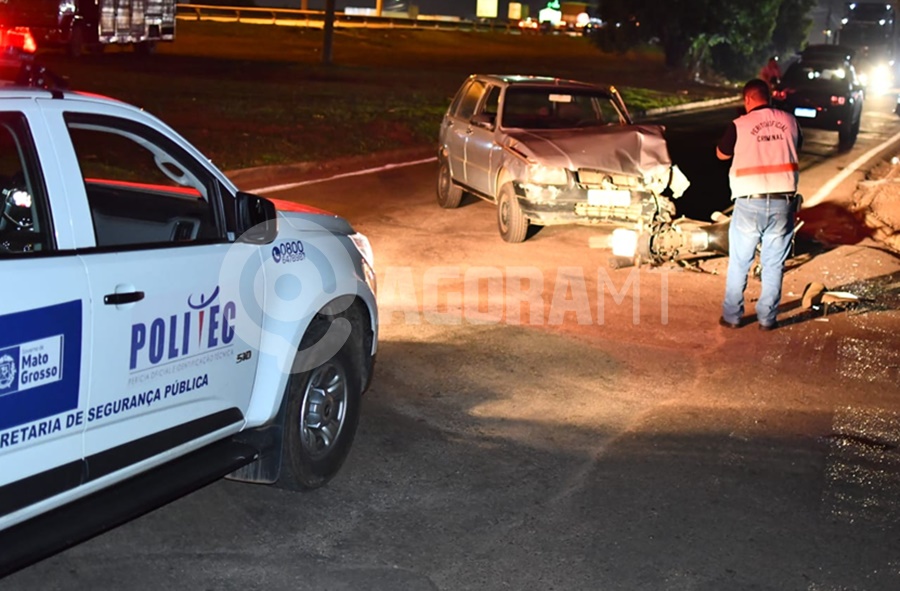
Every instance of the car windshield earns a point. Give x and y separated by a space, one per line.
557 108
802 73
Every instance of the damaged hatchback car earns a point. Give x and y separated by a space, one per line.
550 151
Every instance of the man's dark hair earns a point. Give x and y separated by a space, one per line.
758 89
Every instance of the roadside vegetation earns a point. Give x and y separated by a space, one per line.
730 38
251 95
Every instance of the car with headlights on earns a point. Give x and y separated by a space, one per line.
550 151
823 91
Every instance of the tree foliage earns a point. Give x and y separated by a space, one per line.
734 36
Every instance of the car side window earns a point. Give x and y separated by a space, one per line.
492 103
469 102
454 106
25 225
142 188
607 112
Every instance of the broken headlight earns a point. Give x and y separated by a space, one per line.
540 174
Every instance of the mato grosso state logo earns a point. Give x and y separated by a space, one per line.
8 372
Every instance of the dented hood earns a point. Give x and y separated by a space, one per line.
629 149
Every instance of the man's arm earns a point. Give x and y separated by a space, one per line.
725 149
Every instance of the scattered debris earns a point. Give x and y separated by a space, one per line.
816 296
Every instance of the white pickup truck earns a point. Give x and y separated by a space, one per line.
159 328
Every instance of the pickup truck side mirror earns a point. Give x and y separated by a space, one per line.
256 218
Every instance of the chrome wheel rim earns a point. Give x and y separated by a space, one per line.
504 213
324 410
444 182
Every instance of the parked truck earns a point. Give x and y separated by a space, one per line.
91 25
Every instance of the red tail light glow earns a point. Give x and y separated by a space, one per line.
837 101
779 95
19 38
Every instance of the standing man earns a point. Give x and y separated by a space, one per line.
764 144
771 73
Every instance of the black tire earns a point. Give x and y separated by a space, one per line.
321 417
75 48
449 194
847 135
511 222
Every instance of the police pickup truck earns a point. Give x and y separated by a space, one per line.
159 328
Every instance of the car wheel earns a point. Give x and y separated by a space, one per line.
847 135
449 194
511 221
321 418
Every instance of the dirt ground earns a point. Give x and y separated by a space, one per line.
876 202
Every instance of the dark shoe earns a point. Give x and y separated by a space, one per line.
772 326
726 324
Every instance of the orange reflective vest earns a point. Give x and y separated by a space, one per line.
765 153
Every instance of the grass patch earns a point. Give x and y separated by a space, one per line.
250 95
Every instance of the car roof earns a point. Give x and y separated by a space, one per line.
840 51
541 82
30 92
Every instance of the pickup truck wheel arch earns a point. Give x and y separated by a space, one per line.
322 405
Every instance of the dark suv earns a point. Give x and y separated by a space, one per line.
823 91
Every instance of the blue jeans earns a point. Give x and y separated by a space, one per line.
770 221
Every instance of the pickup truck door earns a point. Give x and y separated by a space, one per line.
45 326
175 342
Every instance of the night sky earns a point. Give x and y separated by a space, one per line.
446 7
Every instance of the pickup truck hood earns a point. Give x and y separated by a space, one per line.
628 149
306 218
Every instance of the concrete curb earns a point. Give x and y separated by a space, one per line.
260 176
689 106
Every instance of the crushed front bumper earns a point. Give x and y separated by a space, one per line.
551 205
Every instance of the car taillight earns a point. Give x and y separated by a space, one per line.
17 39
837 101
779 95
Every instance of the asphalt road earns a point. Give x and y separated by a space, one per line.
539 421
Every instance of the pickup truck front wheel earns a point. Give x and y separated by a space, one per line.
320 424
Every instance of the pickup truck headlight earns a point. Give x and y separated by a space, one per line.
540 174
362 244
361 241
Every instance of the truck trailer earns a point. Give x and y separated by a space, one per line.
90 25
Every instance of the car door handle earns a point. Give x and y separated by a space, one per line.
116 299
